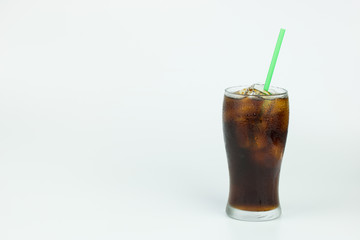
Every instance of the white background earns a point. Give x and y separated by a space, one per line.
110 116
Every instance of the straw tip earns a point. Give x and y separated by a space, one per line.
282 29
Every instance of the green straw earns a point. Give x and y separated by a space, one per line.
273 60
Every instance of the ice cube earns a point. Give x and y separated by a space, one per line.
260 141
253 90
243 137
280 105
268 157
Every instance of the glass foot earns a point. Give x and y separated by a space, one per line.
252 216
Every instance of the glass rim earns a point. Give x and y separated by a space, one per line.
230 91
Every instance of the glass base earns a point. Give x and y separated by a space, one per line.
253 216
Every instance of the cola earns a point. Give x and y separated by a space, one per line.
255 126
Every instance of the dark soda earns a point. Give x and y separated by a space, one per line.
255 131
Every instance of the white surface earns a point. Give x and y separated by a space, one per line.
110 124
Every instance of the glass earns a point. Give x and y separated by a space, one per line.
255 130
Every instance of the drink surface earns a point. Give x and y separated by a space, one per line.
255 131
